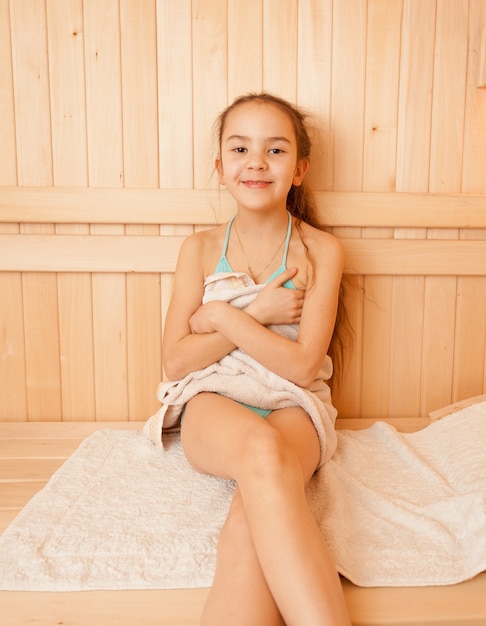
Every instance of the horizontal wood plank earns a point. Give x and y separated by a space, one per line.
212 206
126 253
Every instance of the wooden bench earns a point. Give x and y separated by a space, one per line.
86 276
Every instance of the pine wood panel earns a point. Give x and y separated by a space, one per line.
175 93
448 105
381 105
67 92
415 94
245 69
8 152
474 155
124 86
70 205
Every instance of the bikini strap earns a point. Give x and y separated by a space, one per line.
287 241
226 238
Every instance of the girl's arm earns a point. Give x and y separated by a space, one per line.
298 361
186 347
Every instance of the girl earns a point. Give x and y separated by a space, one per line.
273 566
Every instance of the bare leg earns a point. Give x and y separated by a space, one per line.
271 460
240 595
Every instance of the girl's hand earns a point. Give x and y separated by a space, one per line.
276 304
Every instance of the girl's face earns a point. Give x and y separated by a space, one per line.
258 161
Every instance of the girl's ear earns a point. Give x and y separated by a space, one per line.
219 168
300 171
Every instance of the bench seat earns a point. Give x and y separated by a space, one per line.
31 452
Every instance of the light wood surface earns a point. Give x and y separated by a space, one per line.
30 453
87 300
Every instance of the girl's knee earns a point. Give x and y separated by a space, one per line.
268 454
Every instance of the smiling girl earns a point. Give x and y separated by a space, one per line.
273 566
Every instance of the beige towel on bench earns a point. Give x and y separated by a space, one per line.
396 509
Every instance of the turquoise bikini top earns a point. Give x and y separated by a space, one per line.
224 266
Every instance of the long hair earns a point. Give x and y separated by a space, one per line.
301 205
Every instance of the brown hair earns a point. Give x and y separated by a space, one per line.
300 204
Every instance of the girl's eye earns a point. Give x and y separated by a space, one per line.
275 150
239 149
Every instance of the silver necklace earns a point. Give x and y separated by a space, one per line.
250 271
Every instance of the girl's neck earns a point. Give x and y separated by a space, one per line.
261 223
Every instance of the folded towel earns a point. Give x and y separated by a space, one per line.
396 509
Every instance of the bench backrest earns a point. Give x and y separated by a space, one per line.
86 277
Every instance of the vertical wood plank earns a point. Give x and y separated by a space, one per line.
474 164
70 167
175 106
8 150
470 339
245 47
376 346
415 95
438 342
348 80
139 50
42 347
77 346
210 82
103 93
280 48
34 166
314 57
12 349
382 73
32 108
139 89
448 104
110 341
67 91
407 332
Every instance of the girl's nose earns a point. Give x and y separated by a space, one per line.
256 161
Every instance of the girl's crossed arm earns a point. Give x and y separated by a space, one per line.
189 344
196 335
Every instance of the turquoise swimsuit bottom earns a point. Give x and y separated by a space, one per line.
224 266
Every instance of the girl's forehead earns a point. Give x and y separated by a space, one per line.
253 118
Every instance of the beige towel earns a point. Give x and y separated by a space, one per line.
240 377
396 509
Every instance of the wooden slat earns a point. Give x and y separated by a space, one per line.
381 104
415 95
139 92
448 105
176 150
105 253
205 206
101 36
8 152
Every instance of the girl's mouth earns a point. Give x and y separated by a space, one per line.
256 184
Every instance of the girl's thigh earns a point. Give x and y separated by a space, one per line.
297 430
215 431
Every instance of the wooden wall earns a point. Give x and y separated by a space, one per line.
122 94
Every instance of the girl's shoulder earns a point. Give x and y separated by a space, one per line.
205 245
322 244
